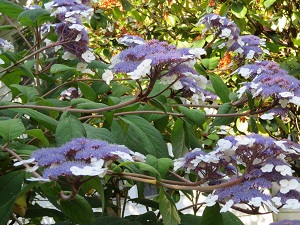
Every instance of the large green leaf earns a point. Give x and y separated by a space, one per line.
57 68
69 127
139 135
196 116
99 133
212 216
87 91
10 187
10 9
220 87
28 92
168 209
178 139
113 220
10 129
224 109
210 63
34 17
78 209
239 10
39 134
147 168
229 218
188 219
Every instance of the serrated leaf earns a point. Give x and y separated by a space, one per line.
98 133
212 216
229 219
10 187
34 17
11 129
10 9
39 134
147 168
163 166
126 5
141 136
239 10
168 209
196 116
157 104
178 136
224 109
210 63
87 91
268 3
57 68
78 209
29 92
220 88
68 128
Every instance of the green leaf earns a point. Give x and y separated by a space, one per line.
224 109
196 116
96 184
239 10
268 3
34 17
87 91
229 219
157 104
212 216
10 187
188 219
113 220
163 166
29 92
210 63
178 136
98 133
126 5
168 209
57 68
282 125
11 129
220 87
69 127
10 9
39 134
147 168
140 136
78 209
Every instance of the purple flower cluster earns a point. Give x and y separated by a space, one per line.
247 46
159 60
269 80
260 162
80 156
5 46
72 34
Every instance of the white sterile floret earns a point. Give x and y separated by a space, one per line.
88 171
225 33
267 168
130 39
81 66
283 102
141 70
138 156
267 116
295 100
239 50
38 179
224 145
292 204
211 200
59 10
78 37
269 204
168 79
49 5
257 92
241 91
284 170
177 85
26 161
71 19
197 98
241 140
227 206
31 169
123 155
277 201
256 201
287 185
245 72
68 56
197 52
107 76
88 56
250 54
178 163
57 47
2 62
286 94
76 26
